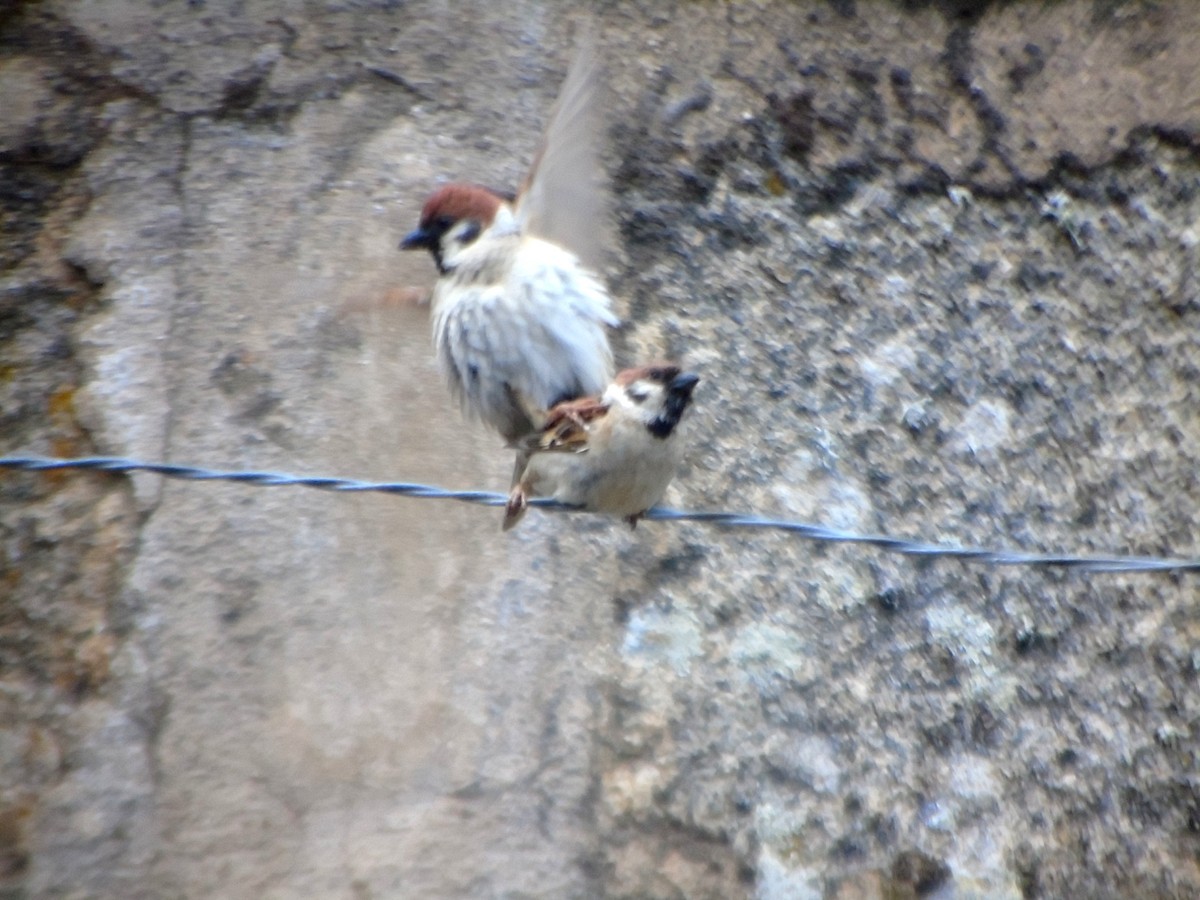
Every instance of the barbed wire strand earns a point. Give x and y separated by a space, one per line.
720 519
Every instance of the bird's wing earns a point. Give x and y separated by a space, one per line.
481 349
567 427
564 198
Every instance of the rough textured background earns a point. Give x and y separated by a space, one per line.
937 264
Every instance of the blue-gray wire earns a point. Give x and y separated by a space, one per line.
721 519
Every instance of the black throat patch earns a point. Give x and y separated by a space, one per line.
664 423
662 426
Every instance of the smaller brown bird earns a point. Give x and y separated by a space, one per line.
612 454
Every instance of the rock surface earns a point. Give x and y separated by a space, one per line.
936 264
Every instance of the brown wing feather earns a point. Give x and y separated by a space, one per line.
566 427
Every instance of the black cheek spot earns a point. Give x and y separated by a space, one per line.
473 372
470 233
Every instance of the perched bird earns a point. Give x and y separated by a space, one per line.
611 454
519 321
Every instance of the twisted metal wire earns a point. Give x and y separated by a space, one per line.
721 519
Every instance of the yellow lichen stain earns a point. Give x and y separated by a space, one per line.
87 667
10 578
94 658
14 852
81 300
774 184
65 447
62 402
68 438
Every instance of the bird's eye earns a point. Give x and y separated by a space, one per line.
637 395
469 232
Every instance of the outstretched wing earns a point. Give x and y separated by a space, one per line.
564 197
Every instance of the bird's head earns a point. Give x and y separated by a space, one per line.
658 394
452 219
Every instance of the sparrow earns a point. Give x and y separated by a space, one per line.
519 320
612 454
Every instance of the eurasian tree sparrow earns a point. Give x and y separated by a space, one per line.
611 454
519 323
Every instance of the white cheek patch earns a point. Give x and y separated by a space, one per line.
648 408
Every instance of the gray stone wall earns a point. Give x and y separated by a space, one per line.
937 266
